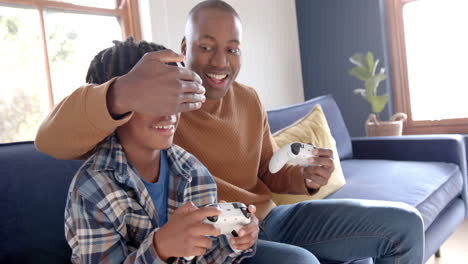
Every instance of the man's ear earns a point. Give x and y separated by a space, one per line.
183 46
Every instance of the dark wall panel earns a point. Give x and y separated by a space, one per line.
330 31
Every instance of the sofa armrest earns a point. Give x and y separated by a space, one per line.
449 148
441 147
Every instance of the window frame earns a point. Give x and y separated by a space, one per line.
126 10
399 77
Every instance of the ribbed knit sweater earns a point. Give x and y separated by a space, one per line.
230 136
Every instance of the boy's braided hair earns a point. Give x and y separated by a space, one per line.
118 60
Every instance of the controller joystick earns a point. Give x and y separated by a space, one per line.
212 218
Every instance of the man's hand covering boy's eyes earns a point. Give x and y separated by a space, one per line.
155 88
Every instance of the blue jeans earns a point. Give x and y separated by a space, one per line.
274 252
340 230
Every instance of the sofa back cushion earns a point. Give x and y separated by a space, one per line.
312 128
285 116
33 193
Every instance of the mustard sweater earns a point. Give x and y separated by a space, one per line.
230 136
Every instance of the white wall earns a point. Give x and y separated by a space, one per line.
271 58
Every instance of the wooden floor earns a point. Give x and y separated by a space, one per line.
455 249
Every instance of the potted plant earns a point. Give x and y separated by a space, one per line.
365 69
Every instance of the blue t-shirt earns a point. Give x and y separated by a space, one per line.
158 190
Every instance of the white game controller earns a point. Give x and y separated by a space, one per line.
233 218
296 152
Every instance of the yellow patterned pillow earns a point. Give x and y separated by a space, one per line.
312 128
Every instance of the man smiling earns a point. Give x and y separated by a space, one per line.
230 135
213 49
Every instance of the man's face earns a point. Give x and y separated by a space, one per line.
212 48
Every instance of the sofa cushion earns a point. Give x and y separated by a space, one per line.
33 192
428 186
285 116
312 128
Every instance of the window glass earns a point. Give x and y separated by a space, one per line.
436 47
24 93
36 76
73 40
111 4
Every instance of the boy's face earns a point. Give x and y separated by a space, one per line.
149 132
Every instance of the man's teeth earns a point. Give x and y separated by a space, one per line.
164 127
217 76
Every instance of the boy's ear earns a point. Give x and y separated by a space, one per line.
183 46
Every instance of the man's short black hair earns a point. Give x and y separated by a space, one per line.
213 4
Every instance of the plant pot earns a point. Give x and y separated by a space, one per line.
394 127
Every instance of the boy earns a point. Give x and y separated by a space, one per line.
136 199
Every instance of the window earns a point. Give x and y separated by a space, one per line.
46 47
428 47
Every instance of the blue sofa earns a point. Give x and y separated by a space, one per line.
428 172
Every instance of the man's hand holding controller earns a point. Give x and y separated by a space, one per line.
320 168
317 162
156 88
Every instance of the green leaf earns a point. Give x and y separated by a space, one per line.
365 70
357 59
373 82
370 62
360 73
369 85
379 78
378 102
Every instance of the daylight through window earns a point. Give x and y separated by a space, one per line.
46 47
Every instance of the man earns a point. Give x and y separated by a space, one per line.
230 135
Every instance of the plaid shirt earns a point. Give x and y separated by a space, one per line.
110 217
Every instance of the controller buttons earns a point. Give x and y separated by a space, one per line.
234 233
295 148
246 212
213 218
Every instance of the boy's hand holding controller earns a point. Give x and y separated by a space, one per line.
185 233
237 222
248 234
317 162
